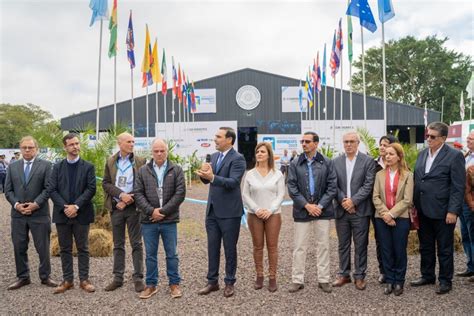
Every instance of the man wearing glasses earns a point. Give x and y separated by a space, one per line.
26 190
439 193
312 185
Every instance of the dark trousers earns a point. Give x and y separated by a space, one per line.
3 176
352 227
467 235
393 243
40 228
436 237
378 248
81 237
128 219
218 230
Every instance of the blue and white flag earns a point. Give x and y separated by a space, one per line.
361 9
99 9
385 10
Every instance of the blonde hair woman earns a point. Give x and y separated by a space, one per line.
393 198
264 189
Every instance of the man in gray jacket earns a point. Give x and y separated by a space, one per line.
159 191
355 181
312 187
26 190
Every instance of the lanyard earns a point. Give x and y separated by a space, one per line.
122 171
160 176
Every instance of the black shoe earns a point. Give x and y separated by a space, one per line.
18 284
421 281
443 289
464 274
388 289
398 290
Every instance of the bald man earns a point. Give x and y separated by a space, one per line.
118 184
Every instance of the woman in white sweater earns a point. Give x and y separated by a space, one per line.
264 190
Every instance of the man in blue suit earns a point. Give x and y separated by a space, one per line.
224 209
439 193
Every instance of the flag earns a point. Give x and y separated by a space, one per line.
99 9
155 64
164 77
470 86
461 106
113 31
349 38
188 92
180 92
147 57
425 117
193 98
339 45
324 65
309 90
184 91
130 43
385 10
174 75
314 75
334 61
300 97
318 74
361 9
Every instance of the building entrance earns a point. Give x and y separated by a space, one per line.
247 141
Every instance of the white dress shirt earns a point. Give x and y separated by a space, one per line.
263 192
349 169
431 158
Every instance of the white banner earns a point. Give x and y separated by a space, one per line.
290 99
205 100
193 136
325 131
280 142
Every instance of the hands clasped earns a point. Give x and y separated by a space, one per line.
27 208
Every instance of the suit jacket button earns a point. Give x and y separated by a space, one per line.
421 192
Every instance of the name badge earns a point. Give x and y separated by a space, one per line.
122 181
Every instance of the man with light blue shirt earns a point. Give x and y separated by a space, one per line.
118 184
159 191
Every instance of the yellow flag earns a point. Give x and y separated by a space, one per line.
155 64
146 57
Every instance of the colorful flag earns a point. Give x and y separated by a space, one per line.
155 64
461 106
314 75
300 97
386 11
349 38
180 92
99 10
470 87
184 91
324 66
174 75
193 98
164 70
318 74
188 90
334 61
309 90
113 31
339 45
147 78
130 43
361 9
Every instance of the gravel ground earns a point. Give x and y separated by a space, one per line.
38 299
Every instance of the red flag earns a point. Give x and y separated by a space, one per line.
180 92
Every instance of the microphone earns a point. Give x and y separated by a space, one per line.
208 158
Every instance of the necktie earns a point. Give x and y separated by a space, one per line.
27 170
219 161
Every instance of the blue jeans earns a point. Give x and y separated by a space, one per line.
393 243
169 235
467 234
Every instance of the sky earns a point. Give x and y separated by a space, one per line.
49 55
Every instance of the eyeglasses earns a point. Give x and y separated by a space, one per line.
305 141
27 148
432 136
350 141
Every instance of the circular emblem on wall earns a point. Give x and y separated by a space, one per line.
248 97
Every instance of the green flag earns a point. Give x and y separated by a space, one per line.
349 38
113 31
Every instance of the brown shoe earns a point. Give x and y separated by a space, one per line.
258 283
175 291
87 286
272 285
228 290
139 286
19 283
148 292
113 286
341 280
360 284
63 287
208 289
49 282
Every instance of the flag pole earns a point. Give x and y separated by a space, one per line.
172 110
442 108
342 103
319 104
146 113
132 103
384 80
350 92
98 86
363 75
325 102
166 127
314 107
115 91
156 105
334 116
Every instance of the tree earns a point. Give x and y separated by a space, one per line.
17 121
418 72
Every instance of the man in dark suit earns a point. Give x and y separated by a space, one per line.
439 193
26 190
71 187
355 181
224 209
